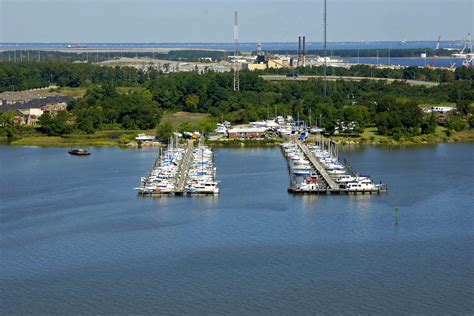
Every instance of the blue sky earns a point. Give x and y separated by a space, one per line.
212 20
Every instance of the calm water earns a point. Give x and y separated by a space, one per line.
439 62
76 238
244 46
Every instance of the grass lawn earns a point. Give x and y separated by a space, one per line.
72 92
178 118
81 91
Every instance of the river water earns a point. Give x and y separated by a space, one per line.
75 238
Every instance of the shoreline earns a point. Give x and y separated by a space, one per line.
96 141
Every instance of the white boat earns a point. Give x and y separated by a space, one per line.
203 188
364 185
145 138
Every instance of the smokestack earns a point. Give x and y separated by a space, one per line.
304 51
299 48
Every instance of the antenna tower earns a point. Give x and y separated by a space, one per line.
325 49
236 50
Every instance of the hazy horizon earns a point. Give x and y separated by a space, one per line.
211 21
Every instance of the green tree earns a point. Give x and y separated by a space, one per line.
463 107
164 130
207 125
7 123
456 124
471 122
55 126
192 102
428 125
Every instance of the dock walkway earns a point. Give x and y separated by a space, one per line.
184 168
314 161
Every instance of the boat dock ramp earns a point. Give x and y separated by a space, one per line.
316 169
181 170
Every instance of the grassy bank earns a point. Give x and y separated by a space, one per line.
126 137
100 138
371 137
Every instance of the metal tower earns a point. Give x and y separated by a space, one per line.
325 49
236 49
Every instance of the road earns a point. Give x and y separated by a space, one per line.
333 78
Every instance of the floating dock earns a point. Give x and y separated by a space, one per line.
315 169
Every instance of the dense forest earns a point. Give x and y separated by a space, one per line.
27 75
393 108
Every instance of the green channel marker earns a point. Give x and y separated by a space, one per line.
396 215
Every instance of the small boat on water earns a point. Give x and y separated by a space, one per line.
79 152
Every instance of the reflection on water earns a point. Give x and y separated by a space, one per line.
361 201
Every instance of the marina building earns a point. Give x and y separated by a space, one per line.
246 132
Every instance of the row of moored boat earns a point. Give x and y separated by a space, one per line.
305 177
174 174
202 172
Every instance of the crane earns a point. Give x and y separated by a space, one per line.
436 52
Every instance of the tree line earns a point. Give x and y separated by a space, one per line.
393 107
22 76
100 56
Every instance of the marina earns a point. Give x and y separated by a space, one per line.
316 169
181 170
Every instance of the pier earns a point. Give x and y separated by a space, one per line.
182 169
314 161
315 169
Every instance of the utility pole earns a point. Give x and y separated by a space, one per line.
325 49
358 53
389 61
236 48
